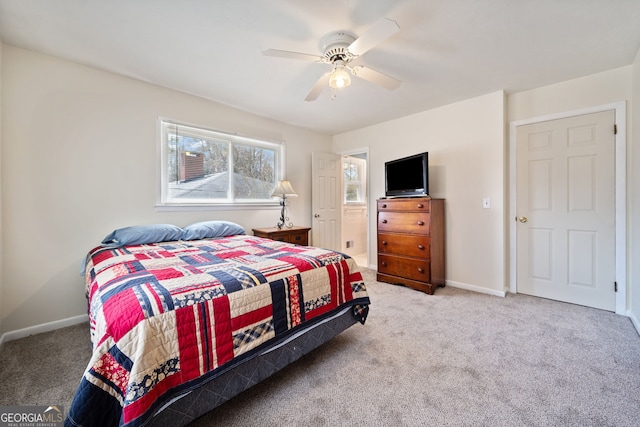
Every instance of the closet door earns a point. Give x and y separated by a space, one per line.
566 209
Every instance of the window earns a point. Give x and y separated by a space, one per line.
354 180
205 167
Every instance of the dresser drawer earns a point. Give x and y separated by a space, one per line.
406 222
409 245
409 268
403 205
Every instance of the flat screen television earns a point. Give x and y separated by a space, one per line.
408 176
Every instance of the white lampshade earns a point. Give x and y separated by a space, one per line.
339 78
284 189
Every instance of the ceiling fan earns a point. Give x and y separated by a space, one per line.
340 48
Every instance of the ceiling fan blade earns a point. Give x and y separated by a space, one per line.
292 55
376 77
317 88
375 35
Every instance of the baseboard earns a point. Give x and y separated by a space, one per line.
44 327
466 286
635 321
475 288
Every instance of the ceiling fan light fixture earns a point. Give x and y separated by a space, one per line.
339 77
339 49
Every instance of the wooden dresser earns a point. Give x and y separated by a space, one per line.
297 235
411 242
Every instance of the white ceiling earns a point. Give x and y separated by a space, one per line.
445 51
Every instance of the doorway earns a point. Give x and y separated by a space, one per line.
340 198
355 212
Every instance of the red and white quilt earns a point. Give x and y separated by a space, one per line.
165 317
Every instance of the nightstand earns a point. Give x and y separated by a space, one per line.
297 235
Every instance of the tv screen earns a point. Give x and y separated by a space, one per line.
408 176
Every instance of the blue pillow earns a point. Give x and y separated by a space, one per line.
211 229
142 234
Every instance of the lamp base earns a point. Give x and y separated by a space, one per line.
283 218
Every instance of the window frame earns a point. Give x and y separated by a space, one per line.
165 203
361 182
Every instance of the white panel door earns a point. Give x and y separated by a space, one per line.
566 210
326 200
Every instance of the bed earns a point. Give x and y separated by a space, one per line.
182 321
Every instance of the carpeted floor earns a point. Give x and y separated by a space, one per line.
455 358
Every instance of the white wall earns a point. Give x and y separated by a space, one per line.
79 159
354 229
633 189
596 89
466 145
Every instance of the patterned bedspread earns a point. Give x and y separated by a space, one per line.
166 317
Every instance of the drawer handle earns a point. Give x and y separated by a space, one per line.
420 222
384 242
384 264
420 205
420 270
384 221
421 247
384 206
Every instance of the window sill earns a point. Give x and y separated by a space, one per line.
183 207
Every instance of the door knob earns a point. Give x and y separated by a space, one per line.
522 219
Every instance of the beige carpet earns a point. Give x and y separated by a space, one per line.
455 358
